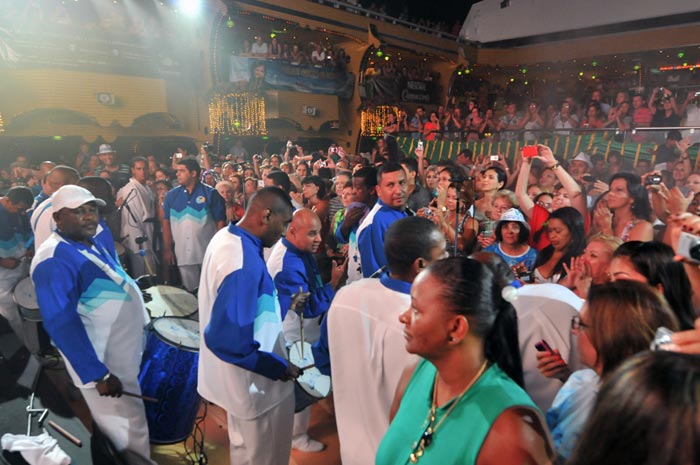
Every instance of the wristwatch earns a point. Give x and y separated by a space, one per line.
104 378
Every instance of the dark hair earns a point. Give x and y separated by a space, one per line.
573 221
318 182
368 174
646 413
20 195
191 164
138 159
500 174
388 168
280 179
69 174
654 260
542 194
473 290
523 234
641 208
407 240
273 198
411 164
100 188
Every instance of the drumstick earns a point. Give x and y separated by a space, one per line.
66 434
307 367
138 396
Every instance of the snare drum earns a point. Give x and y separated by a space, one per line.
169 373
24 296
170 301
311 386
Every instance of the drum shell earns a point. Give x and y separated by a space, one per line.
169 374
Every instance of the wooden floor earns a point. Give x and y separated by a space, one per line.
322 429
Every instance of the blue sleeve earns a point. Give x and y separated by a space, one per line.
230 332
218 206
57 295
371 244
291 278
322 356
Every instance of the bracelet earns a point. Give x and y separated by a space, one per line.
555 166
104 378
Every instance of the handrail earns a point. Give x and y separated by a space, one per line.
376 15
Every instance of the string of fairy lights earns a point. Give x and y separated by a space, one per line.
241 114
372 119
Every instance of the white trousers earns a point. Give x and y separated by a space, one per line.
265 440
123 421
189 274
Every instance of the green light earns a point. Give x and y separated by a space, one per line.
680 54
237 123
581 73
685 63
524 70
57 138
467 71
526 83
230 23
459 73
265 137
595 63
379 53
273 35
593 77
637 67
379 128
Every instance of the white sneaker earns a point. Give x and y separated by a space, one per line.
304 443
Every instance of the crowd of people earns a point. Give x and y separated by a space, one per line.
423 279
536 120
314 54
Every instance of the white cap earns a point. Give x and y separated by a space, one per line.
584 158
513 214
105 148
72 197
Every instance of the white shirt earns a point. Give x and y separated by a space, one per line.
544 312
368 356
42 222
139 206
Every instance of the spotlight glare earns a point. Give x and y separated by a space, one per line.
190 7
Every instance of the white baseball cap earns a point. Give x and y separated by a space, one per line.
72 197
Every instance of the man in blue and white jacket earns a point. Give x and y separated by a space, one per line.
293 267
242 358
392 191
95 315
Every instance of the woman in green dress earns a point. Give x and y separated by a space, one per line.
463 402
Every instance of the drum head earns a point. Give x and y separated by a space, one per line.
24 294
170 301
312 381
178 332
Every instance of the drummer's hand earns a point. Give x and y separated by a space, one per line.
298 302
168 258
291 373
111 387
9 263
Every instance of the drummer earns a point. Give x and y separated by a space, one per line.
14 235
95 316
242 359
292 266
366 339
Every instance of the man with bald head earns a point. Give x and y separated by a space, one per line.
41 221
242 357
292 266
